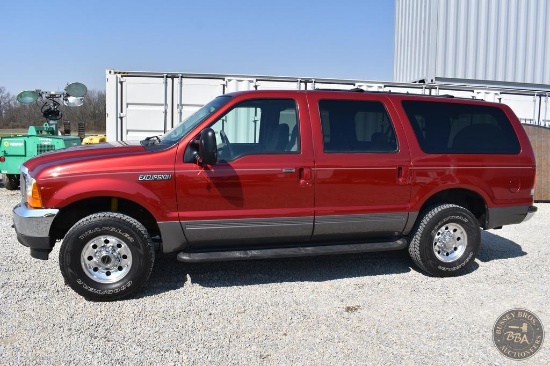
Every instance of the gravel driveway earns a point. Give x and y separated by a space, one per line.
374 309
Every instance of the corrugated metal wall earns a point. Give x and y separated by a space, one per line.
501 40
415 37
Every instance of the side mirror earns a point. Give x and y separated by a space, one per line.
208 148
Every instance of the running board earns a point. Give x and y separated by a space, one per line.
292 252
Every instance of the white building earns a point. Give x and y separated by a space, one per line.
496 42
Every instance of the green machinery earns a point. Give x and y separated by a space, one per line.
16 149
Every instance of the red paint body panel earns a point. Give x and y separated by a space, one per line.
252 185
358 183
107 170
310 183
489 175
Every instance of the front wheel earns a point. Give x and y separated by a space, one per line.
445 241
11 181
106 256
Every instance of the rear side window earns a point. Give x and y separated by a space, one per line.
356 126
449 128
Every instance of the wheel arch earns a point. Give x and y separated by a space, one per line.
467 198
71 214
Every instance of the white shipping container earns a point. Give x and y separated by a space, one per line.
141 104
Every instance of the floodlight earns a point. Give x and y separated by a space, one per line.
76 90
73 101
28 96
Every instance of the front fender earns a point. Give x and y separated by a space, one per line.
158 197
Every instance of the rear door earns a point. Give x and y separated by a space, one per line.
362 167
260 192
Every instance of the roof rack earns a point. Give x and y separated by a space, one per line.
356 90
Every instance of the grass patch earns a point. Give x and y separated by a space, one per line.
23 131
8 132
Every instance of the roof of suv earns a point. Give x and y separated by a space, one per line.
359 91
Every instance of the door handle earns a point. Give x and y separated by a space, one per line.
403 175
304 177
289 170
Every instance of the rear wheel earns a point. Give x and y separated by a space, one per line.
11 181
446 240
106 256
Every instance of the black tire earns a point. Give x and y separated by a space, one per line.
11 181
107 256
445 240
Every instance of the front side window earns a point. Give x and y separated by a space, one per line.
182 129
452 128
259 126
356 126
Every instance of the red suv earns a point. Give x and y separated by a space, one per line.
263 174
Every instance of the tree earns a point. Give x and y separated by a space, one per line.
15 115
92 112
5 100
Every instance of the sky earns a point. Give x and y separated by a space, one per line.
47 44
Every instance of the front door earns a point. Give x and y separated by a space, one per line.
260 192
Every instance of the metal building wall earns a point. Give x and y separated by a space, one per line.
500 40
414 39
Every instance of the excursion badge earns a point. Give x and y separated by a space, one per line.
150 177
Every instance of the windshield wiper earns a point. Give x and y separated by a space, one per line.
151 140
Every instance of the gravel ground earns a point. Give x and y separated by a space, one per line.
374 309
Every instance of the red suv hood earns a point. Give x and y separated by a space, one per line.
89 154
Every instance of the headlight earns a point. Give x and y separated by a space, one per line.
32 192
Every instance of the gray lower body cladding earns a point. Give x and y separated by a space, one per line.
262 233
215 235
498 217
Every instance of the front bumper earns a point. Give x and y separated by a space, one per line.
32 227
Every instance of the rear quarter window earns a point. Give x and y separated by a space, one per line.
452 128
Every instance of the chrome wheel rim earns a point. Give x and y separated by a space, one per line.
450 242
106 259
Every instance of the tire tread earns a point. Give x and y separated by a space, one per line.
64 255
415 245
